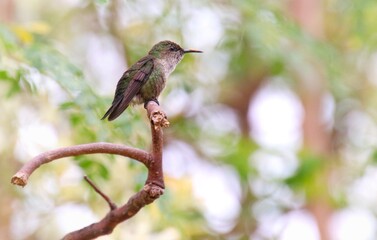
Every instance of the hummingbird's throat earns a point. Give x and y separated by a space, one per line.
168 65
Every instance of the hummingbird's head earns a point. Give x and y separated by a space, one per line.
169 50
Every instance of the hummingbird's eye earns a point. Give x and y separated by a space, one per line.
172 49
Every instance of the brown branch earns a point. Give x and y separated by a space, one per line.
158 120
21 177
105 226
153 188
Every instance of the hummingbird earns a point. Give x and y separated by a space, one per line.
144 81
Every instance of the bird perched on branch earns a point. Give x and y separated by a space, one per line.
144 81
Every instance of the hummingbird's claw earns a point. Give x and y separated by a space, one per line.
152 100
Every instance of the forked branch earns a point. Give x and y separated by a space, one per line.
153 188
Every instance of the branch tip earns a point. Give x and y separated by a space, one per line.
159 119
19 179
157 115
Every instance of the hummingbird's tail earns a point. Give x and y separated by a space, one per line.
115 110
107 113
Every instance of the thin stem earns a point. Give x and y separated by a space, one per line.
104 196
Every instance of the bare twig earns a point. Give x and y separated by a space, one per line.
153 188
104 196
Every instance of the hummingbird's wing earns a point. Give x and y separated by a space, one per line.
129 85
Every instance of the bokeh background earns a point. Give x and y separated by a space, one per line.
273 128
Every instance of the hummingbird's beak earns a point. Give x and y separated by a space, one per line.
191 51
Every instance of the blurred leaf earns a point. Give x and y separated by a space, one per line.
307 172
40 27
374 157
68 105
238 156
92 168
7 38
23 34
102 1
4 75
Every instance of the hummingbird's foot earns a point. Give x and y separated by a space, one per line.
151 100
